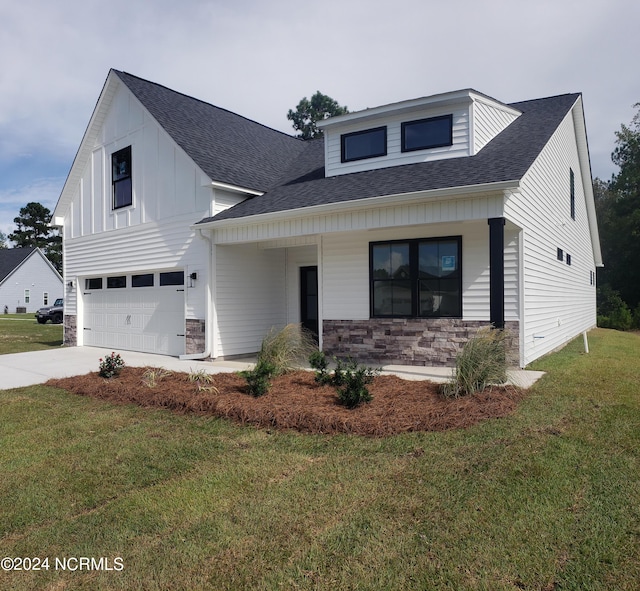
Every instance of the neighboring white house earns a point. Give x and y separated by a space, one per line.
190 230
28 280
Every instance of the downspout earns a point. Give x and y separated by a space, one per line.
207 314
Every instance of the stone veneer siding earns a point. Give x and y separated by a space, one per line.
408 341
195 336
70 331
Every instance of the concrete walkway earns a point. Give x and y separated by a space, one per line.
36 367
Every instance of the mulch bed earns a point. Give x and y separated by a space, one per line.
295 401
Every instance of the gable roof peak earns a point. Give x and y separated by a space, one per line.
229 148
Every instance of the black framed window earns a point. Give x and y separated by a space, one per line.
416 278
423 134
568 259
117 282
121 178
363 144
93 283
172 278
145 280
560 254
572 193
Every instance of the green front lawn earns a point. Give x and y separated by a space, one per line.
548 498
21 332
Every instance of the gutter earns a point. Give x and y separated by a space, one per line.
207 315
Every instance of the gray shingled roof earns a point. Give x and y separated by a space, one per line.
229 148
11 258
506 158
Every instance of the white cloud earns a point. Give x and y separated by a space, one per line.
259 58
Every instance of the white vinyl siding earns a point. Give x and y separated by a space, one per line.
489 120
250 296
304 256
395 156
145 248
559 301
345 269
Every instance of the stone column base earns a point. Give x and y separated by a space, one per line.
195 336
70 331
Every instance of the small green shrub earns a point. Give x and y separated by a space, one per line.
318 361
111 365
258 383
353 390
349 378
481 362
613 311
287 349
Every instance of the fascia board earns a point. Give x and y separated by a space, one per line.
88 140
450 98
234 189
587 179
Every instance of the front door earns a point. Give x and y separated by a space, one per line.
309 298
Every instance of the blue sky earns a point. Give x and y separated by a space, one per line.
258 58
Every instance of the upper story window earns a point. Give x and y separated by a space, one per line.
423 134
572 193
364 144
121 178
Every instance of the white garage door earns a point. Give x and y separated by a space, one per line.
147 319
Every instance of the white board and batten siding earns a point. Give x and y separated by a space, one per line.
558 299
153 235
424 211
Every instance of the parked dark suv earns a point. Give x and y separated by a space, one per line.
53 313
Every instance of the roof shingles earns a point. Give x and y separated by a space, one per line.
11 259
290 172
506 158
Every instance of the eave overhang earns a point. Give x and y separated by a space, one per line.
356 204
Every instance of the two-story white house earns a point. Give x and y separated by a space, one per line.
190 230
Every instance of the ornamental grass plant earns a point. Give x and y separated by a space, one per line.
480 363
287 349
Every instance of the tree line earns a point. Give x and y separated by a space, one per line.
618 213
33 229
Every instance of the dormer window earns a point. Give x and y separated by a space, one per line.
121 178
423 134
364 144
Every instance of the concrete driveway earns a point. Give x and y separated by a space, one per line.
36 367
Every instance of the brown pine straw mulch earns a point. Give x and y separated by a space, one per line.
295 401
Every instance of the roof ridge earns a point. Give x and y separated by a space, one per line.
545 98
202 101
